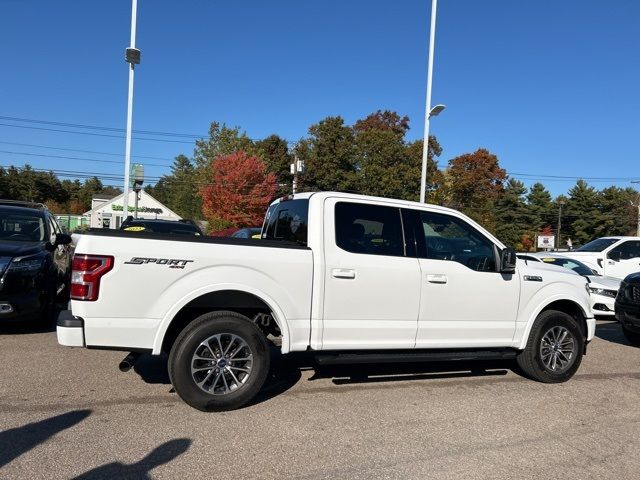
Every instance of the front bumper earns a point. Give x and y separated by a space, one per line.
70 330
602 305
628 315
21 306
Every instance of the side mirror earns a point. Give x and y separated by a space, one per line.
62 239
615 255
508 260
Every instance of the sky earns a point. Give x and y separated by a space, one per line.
550 86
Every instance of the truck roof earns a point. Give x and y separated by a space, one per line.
406 203
390 201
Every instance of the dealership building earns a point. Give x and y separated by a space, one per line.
107 212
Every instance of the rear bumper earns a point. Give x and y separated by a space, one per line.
70 330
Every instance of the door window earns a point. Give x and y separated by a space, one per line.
628 250
443 237
369 229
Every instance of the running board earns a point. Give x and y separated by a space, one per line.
439 355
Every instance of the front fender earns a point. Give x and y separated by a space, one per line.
544 297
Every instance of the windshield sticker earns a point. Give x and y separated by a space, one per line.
549 260
134 229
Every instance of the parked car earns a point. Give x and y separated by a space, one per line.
35 262
247 233
628 308
165 227
352 278
603 289
611 256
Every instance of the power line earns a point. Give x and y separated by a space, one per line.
83 151
540 176
64 157
94 134
96 127
193 136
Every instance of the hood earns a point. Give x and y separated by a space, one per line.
581 255
607 283
19 249
633 278
529 266
551 273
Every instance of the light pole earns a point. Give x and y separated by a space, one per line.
429 112
560 204
132 57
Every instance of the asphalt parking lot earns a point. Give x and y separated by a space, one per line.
69 413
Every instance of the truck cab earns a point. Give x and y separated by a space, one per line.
611 256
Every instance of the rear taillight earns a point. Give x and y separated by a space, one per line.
85 275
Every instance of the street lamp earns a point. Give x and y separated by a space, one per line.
429 112
132 57
560 204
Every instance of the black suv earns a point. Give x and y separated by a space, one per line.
164 227
628 308
35 262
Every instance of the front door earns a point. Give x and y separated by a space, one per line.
372 289
465 301
623 259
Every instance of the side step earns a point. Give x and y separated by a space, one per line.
402 356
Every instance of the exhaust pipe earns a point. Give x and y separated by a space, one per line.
129 361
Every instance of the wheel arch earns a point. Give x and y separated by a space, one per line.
570 306
231 297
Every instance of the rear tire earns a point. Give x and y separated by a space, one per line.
554 349
219 362
631 336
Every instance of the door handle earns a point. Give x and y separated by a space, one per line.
436 278
343 273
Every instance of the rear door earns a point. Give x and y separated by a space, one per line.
372 288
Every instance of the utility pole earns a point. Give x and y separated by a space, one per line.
560 204
638 206
132 57
297 168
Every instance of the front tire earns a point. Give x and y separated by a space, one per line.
554 349
219 362
631 336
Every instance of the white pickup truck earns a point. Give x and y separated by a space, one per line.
353 278
610 256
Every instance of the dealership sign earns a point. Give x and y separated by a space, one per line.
546 241
131 208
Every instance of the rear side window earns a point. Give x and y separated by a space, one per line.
287 220
369 229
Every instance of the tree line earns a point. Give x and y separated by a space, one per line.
374 157
230 179
60 196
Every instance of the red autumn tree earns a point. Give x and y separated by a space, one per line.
239 192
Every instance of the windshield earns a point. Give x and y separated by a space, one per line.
20 227
578 267
597 245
